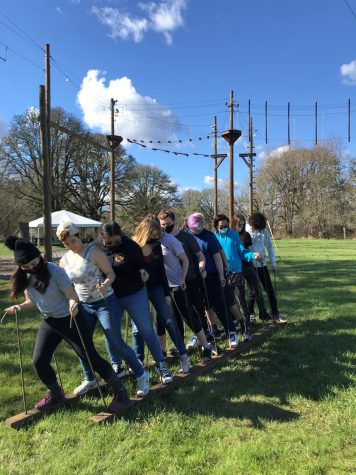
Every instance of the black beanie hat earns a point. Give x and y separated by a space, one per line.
24 251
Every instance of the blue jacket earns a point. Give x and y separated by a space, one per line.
234 250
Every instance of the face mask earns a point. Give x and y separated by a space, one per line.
36 269
152 241
197 229
223 231
169 228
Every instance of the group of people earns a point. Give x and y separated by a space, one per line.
192 276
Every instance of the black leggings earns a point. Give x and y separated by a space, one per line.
51 332
265 279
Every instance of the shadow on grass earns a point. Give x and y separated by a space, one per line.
311 359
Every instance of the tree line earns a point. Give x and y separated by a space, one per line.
303 192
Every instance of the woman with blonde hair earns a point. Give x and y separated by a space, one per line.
92 275
147 236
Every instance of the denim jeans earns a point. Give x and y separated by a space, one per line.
166 319
109 314
137 307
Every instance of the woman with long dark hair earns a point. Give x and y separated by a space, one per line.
128 264
47 287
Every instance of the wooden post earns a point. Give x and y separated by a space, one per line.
48 113
215 132
47 220
316 123
231 182
251 165
112 165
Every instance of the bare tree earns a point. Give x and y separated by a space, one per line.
148 190
80 171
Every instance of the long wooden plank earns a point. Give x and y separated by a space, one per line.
181 379
25 418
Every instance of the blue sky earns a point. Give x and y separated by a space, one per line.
172 64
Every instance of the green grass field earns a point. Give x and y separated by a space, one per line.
287 407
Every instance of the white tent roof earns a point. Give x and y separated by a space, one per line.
60 216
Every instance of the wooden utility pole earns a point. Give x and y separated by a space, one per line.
231 136
47 221
114 141
112 164
215 132
217 164
231 182
48 101
251 190
250 165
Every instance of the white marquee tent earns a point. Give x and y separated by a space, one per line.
36 226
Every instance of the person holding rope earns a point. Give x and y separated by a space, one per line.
176 264
215 278
147 235
235 253
261 240
92 275
196 268
129 266
47 287
249 272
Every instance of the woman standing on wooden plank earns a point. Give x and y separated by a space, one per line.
92 275
48 288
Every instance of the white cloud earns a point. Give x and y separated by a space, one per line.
3 128
139 117
277 152
121 25
59 10
348 71
183 189
163 17
209 180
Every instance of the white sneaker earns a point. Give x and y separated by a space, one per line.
233 340
143 385
184 364
84 387
193 343
119 370
253 318
164 373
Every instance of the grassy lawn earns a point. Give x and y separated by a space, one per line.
287 407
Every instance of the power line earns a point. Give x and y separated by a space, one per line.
23 35
22 56
351 10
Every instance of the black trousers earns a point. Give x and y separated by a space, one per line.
266 282
51 332
255 292
183 311
217 301
196 298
